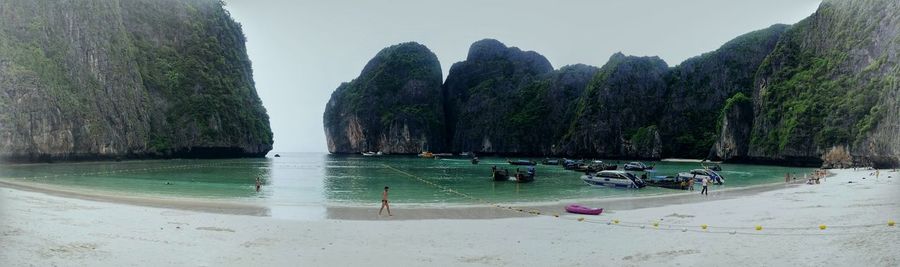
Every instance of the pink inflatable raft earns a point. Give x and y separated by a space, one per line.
575 208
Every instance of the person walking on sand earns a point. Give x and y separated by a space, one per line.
691 183
384 202
705 183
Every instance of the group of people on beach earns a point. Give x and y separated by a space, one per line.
816 177
704 182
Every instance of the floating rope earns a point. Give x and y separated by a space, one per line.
656 225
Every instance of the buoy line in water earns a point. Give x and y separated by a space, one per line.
187 166
819 230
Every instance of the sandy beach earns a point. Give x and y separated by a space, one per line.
66 230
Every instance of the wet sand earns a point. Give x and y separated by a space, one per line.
404 211
211 206
49 230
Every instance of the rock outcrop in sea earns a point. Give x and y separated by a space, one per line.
99 79
783 95
394 106
491 98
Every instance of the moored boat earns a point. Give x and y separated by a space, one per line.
369 154
699 174
499 175
636 166
527 176
522 162
579 209
548 161
614 179
671 182
714 167
569 164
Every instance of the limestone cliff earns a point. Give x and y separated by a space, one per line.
100 79
832 81
735 122
784 95
485 91
699 86
617 114
394 106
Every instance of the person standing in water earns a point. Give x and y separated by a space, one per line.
705 183
384 202
258 184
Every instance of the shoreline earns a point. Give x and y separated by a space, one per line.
46 230
188 204
407 211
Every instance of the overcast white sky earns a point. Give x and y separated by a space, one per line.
302 50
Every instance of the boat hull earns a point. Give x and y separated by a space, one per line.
611 183
699 177
578 209
524 178
500 176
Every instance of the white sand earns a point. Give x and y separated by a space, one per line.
46 230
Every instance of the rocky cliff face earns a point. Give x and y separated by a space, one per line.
394 106
831 81
699 86
111 79
485 92
785 94
617 114
735 122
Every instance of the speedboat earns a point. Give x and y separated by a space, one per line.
615 179
699 174
714 167
599 165
426 154
369 154
569 164
636 166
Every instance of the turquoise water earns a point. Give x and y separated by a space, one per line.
316 178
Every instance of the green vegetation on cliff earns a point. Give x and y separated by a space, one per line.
394 106
783 94
827 83
699 86
109 79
